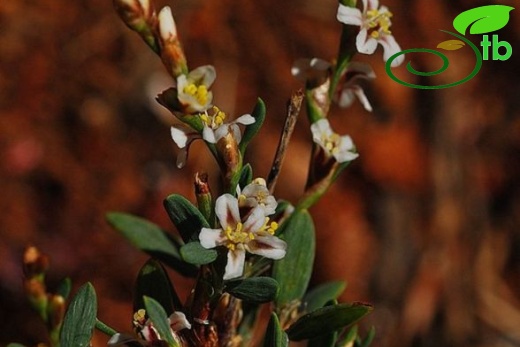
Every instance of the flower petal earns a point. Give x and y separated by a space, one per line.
235 264
208 134
167 29
245 119
203 75
179 136
360 93
178 321
365 44
349 15
372 5
391 47
255 221
222 131
320 129
182 157
346 150
226 209
211 238
267 246
346 98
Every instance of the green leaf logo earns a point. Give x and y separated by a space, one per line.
483 19
451 45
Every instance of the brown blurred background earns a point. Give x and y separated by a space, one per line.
425 224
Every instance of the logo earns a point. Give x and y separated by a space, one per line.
480 21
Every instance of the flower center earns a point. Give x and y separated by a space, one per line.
200 93
379 22
331 142
236 236
215 120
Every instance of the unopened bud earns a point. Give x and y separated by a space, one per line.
203 193
34 262
167 28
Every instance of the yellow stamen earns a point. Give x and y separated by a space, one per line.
379 23
200 93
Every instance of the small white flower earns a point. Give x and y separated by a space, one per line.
193 89
340 147
350 87
317 70
256 194
254 235
215 128
374 23
148 333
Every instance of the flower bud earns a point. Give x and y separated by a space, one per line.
172 53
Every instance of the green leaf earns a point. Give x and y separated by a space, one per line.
80 318
451 45
246 175
254 290
322 294
274 335
348 338
150 239
158 316
326 320
187 218
483 19
64 288
153 281
252 129
293 272
194 253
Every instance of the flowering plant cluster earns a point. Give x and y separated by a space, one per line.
251 255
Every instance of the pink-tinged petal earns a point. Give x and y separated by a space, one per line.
211 238
245 119
235 264
226 209
209 135
360 93
365 44
178 321
346 98
267 246
122 340
255 221
391 47
349 15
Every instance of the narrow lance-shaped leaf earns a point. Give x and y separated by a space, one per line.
275 336
246 175
153 281
293 272
255 290
326 320
160 320
80 318
150 239
483 19
252 129
187 218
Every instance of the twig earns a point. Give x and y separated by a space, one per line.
293 110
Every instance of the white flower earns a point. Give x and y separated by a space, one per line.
374 23
316 69
148 333
183 137
215 128
254 235
340 147
256 194
193 89
350 87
